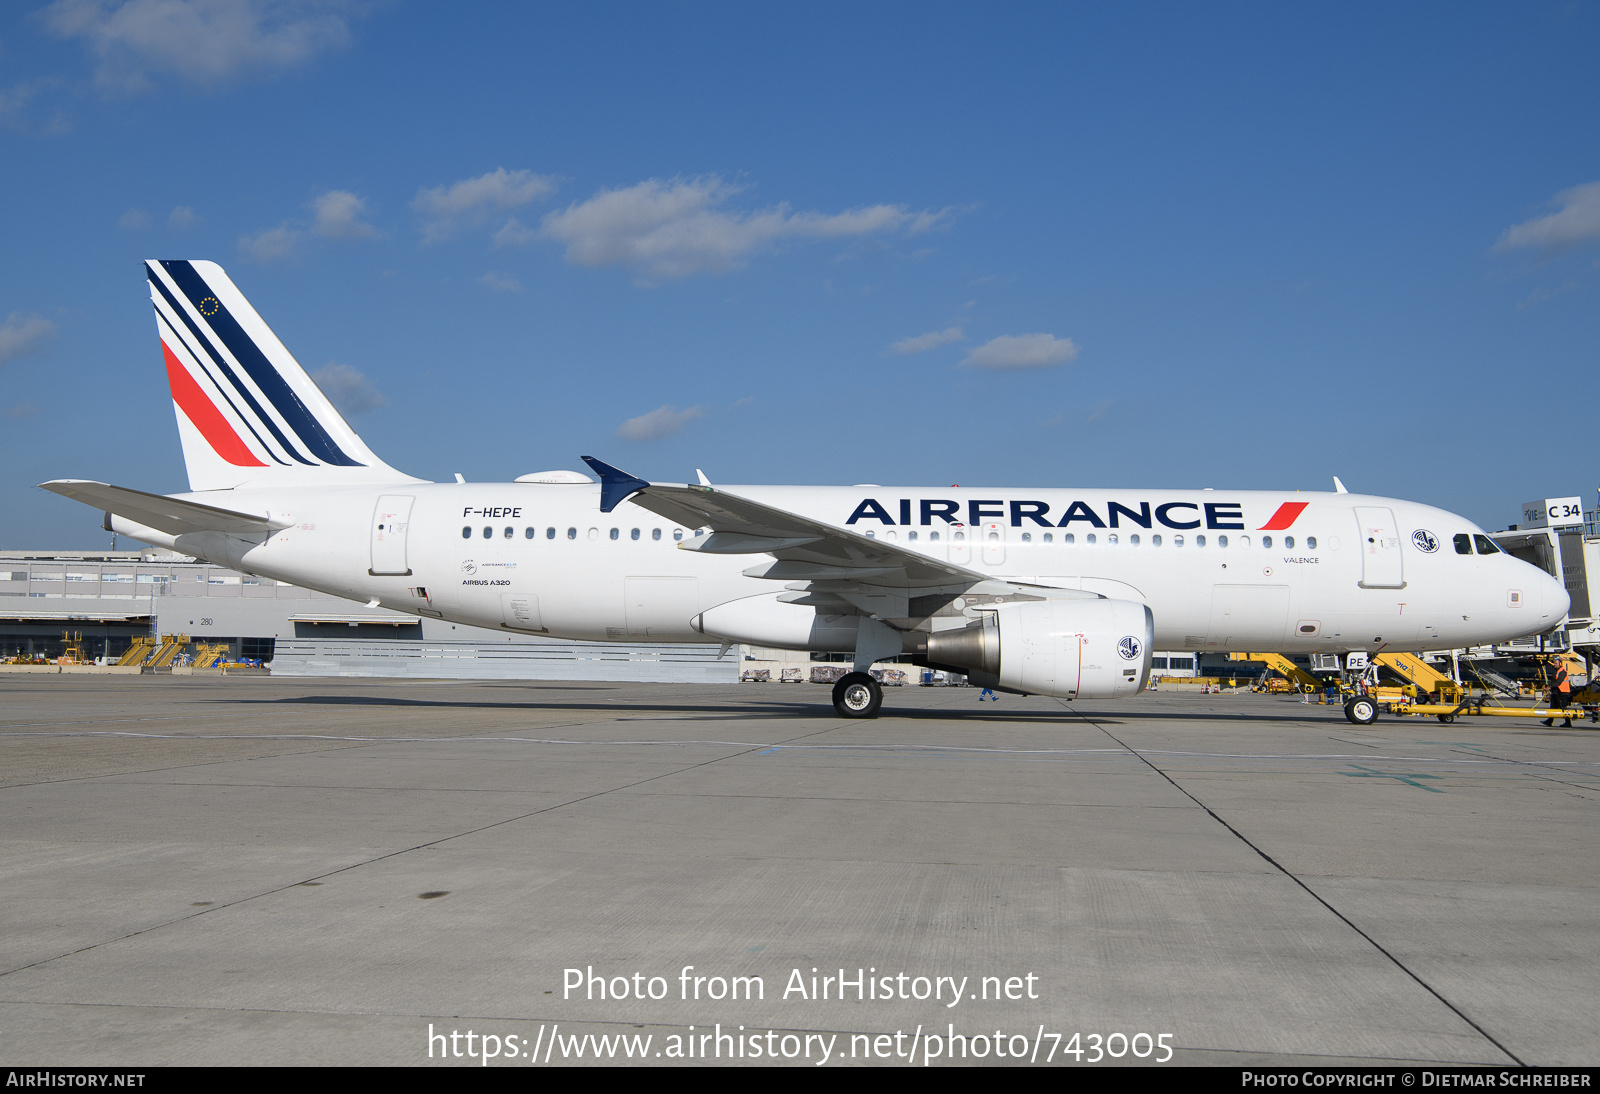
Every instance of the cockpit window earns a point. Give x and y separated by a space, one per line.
1463 544
1486 546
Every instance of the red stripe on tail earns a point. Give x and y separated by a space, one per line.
205 416
1287 514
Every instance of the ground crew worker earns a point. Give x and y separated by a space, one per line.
1560 693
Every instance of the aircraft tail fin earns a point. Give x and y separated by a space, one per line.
248 414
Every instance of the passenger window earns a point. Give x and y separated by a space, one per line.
511 533
1112 540
634 534
1199 541
655 533
613 533
528 533
1089 539
677 533
1244 542
994 537
488 533
959 536
466 533
870 534
1026 537
549 533
1486 546
1133 540
1177 541
1047 537
594 534
1222 541
1463 544
933 537
1288 543
1311 543
911 536
1069 538
1155 541
572 533
1266 541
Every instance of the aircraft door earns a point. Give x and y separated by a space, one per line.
390 522
992 537
1382 566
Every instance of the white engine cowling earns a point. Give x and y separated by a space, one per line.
766 621
1073 649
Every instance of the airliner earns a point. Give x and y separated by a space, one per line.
1037 590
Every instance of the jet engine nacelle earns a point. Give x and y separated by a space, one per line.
1074 649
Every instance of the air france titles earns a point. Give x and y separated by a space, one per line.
1178 515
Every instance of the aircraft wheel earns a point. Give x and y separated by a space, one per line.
1361 710
857 695
1447 718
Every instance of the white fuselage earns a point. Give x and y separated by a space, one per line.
1227 571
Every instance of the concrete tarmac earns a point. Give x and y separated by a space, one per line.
259 871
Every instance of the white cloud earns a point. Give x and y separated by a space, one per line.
134 220
272 244
444 208
660 422
513 233
207 42
21 334
182 217
348 389
1022 351
339 214
923 342
672 229
504 282
1577 220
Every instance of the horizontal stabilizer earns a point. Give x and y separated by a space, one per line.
170 515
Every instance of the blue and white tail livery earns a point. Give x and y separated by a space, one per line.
247 412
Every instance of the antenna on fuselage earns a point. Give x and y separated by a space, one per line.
1338 487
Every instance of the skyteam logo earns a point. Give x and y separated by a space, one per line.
1425 541
1130 648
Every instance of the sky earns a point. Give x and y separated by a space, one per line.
1240 246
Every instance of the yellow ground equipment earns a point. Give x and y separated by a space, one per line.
136 653
1277 662
1423 678
171 646
209 654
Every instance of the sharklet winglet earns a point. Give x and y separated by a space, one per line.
615 486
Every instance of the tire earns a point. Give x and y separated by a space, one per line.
857 695
1447 718
1361 710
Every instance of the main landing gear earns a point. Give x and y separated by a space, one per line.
857 695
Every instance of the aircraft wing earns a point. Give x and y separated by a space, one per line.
805 549
170 515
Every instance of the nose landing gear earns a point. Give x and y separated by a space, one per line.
1361 710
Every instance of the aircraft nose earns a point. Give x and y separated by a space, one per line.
1554 601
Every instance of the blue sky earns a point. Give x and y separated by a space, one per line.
1130 245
